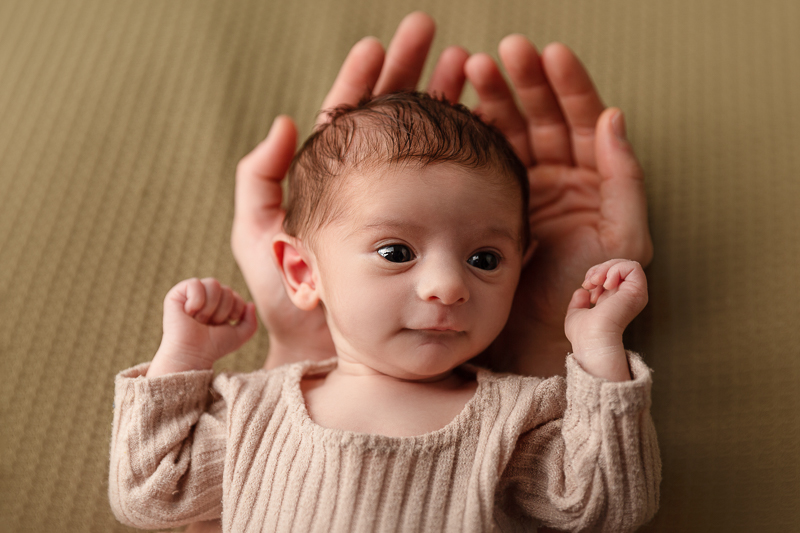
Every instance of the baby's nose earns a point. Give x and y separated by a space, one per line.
443 281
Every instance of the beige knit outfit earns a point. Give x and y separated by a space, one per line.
578 453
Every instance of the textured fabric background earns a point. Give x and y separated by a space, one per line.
121 123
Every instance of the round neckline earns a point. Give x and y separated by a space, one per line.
438 438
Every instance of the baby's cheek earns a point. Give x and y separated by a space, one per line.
366 311
494 311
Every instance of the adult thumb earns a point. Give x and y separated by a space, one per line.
623 205
615 157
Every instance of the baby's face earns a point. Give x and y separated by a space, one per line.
418 275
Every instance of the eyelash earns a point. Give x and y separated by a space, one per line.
392 249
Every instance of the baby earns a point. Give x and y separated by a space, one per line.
407 222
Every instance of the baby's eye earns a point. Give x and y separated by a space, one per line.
484 260
396 253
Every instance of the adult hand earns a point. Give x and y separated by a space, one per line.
588 200
294 334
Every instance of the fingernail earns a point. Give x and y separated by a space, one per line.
618 124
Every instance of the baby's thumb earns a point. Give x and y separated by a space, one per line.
231 336
247 326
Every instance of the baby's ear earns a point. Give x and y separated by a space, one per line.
295 264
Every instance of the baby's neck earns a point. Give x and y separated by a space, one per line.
349 368
357 398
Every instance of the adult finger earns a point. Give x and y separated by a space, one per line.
448 76
623 202
577 98
407 53
547 128
257 201
496 104
356 78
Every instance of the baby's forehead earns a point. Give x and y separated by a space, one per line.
394 192
375 178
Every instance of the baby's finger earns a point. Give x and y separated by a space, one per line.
248 324
580 300
222 313
618 273
195 296
232 337
597 274
596 293
236 314
588 284
213 292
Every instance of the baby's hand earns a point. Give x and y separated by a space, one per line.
613 293
203 322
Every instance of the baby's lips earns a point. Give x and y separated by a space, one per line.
440 328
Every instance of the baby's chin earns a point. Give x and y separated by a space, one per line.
427 366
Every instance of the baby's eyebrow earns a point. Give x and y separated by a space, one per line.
392 224
410 227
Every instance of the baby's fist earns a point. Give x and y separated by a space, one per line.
204 321
612 294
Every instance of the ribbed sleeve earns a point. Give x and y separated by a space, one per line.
167 449
596 469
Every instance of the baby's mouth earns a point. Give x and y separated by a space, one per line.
438 330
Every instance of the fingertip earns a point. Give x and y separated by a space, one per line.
270 158
595 294
556 49
512 42
563 66
448 77
370 41
367 51
479 60
618 125
195 297
281 122
580 299
418 19
615 156
482 72
249 316
455 55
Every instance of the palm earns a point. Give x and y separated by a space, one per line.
567 223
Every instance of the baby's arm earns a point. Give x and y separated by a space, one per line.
618 290
588 459
168 442
203 322
598 467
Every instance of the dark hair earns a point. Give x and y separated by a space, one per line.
392 129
